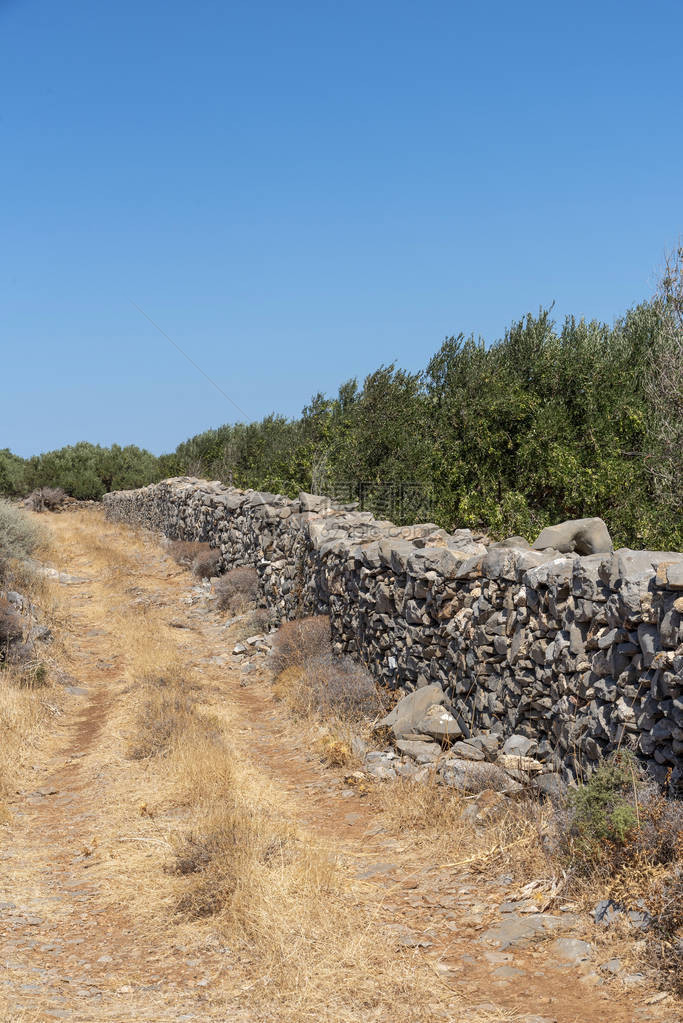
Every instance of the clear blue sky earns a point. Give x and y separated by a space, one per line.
297 192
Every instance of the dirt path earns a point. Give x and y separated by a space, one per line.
82 856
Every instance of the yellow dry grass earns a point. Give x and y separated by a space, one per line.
22 713
307 936
478 832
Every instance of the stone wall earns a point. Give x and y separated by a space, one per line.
582 654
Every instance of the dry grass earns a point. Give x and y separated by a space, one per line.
23 713
318 686
161 719
280 896
310 943
331 688
528 838
334 699
249 623
486 831
185 551
306 936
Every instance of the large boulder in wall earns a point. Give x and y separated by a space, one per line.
403 719
580 536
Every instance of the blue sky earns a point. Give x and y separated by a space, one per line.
298 192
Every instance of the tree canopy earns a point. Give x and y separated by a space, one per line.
547 423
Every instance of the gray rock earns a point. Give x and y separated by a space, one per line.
501 563
487 743
648 638
468 776
520 746
633 979
421 752
406 769
519 931
411 709
606 912
639 918
556 572
313 502
439 724
571 950
468 751
583 536
674 576
552 786
517 542
381 770
507 973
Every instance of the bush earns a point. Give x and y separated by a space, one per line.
251 623
185 551
46 499
85 471
339 687
236 590
315 681
617 818
299 641
603 810
207 564
19 536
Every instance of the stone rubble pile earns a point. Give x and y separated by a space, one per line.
574 647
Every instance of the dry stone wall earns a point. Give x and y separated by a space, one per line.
581 654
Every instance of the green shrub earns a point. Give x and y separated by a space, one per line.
550 422
619 818
603 813
85 471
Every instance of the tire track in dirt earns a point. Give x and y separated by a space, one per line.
66 951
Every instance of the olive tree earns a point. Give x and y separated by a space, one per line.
665 388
